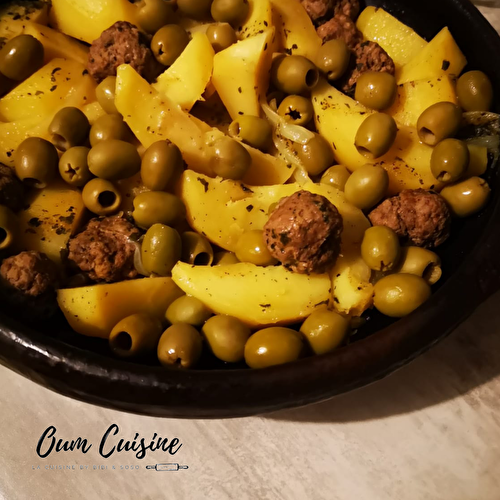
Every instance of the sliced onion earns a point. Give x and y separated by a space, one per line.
282 145
139 266
294 133
490 142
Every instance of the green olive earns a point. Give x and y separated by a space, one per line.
101 197
336 176
74 168
294 74
9 227
376 90
36 162
252 130
233 12
296 109
467 197
114 160
180 346
69 128
252 248
195 9
226 337
376 135
161 249
420 262
474 90
398 295
325 330
168 43
187 310
20 57
449 160
225 259
221 36
440 121
230 159
109 127
157 207
333 59
273 346
154 14
105 94
380 248
316 155
366 186
161 165
196 249
135 335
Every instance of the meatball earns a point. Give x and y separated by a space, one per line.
418 216
123 43
31 273
105 249
369 56
340 27
11 189
320 9
304 232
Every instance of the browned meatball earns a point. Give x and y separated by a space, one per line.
123 43
31 273
416 215
340 27
319 9
105 249
11 189
304 233
369 56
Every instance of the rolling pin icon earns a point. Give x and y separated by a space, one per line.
167 467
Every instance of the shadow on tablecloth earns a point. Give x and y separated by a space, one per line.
463 362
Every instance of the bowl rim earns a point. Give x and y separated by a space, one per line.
154 391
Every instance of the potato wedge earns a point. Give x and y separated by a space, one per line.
258 296
338 118
415 97
153 117
397 39
52 215
241 74
441 56
88 19
295 32
95 310
185 81
240 208
260 18
61 82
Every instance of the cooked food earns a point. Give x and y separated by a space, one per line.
239 180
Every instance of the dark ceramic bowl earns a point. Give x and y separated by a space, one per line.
81 368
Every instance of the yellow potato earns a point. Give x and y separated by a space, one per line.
59 83
241 74
441 56
36 12
86 20
397 39
185 81
153 117
95 310
93 112
9 28
295 32
338 118
240 208
415 97
57 44
193 26
256 295
260 18
52 215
